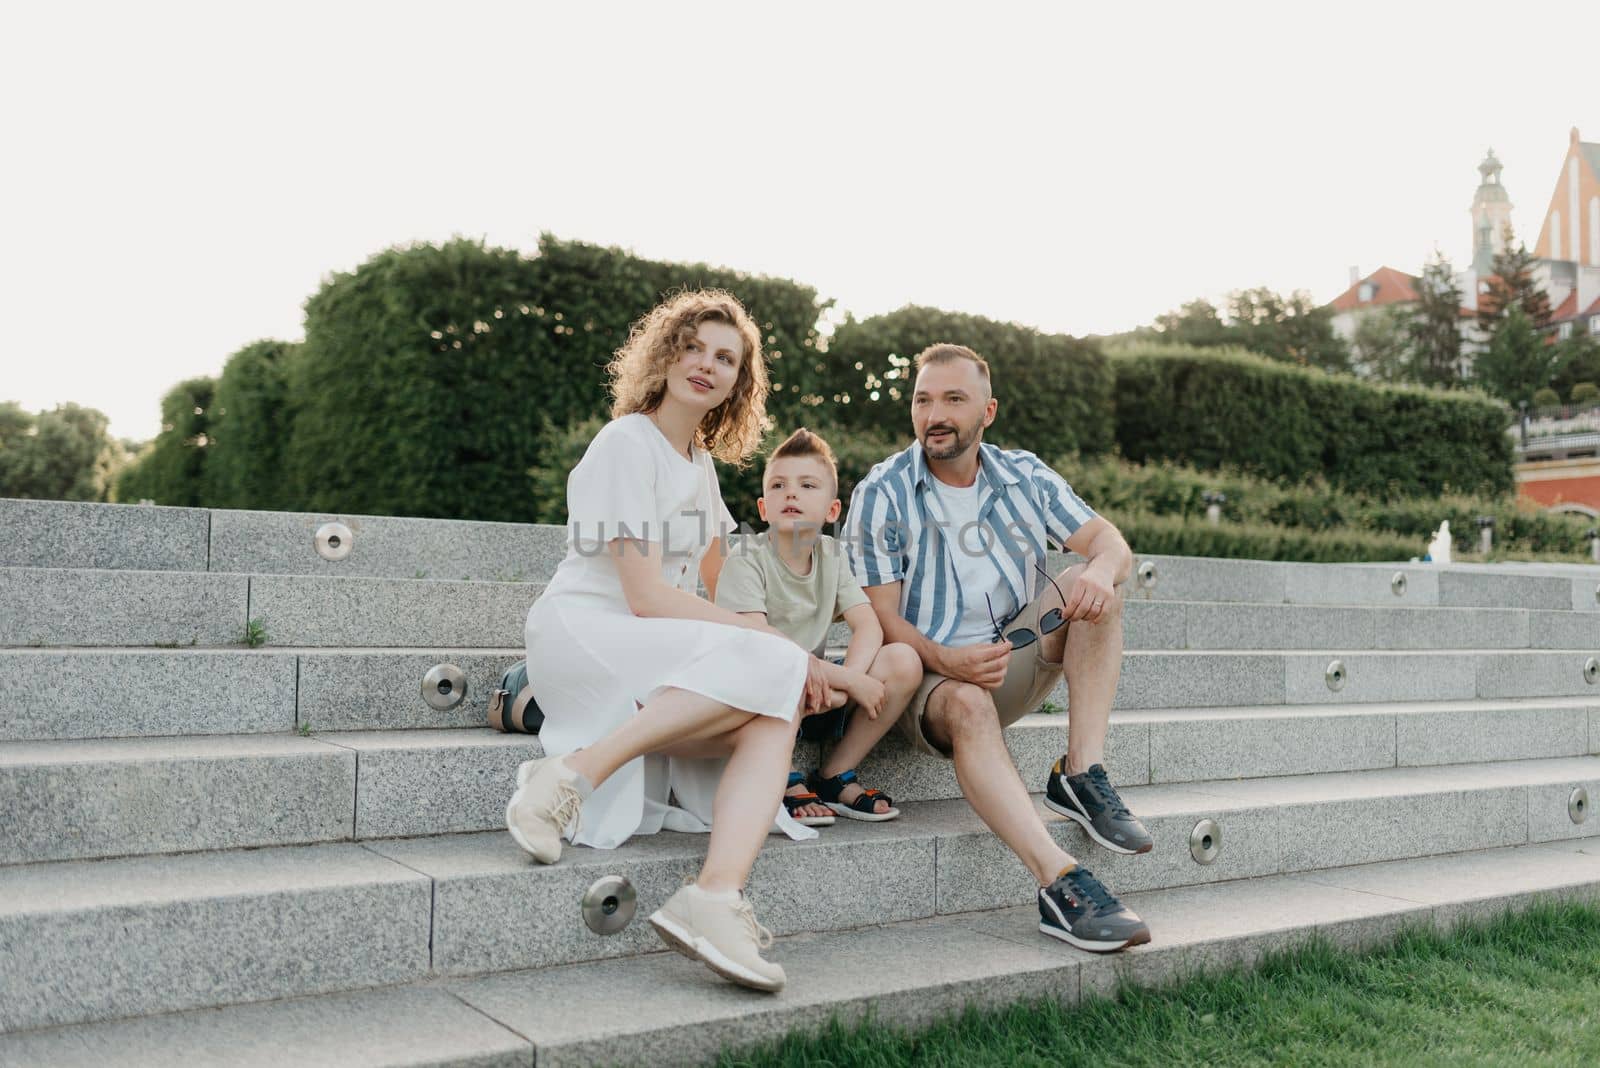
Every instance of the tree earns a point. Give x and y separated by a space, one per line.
1292 329
1196 323
1435 328
1518 361
1513 285
1381 346
61 454
171 469
1579 362
249 425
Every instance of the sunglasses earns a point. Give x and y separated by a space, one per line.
1023 637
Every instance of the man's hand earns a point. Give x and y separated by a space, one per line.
816 687
1090 594
982 665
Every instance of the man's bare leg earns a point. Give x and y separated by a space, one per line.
1093 665
961 717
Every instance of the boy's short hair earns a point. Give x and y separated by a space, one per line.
803 443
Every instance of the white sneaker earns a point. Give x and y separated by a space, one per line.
720 932
546 806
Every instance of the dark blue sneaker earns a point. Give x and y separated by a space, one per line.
1089 800
1079 910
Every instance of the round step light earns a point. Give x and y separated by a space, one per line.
1397 585
1147 575
1336 675
333 541
1591 671
1578 804
1205 841
609 904
444 687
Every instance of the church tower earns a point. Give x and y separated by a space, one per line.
1491 215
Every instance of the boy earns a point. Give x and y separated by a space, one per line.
798 581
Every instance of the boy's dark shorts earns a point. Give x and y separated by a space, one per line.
828 726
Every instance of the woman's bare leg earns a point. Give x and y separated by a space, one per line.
671 717
747 800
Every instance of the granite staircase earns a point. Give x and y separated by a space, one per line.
244 822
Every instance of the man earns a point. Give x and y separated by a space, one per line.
948 538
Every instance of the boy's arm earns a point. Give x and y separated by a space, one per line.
866 637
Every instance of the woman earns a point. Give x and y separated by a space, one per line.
628 662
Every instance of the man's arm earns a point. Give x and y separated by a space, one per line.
984 665
1109 564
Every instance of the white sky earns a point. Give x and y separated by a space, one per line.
179 178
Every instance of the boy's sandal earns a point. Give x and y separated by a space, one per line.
862 808
794 802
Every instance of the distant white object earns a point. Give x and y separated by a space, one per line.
1439 547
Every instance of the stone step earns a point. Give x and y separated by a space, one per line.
212 929
99 798
154 608
123 693
93 798
928 971
63 534
98 940
70 534
1187 578
127 692
1205 678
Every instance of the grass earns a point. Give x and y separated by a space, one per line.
1521 990
255 634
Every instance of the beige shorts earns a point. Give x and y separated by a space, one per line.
1029 680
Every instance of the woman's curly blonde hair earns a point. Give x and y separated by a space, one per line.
732 430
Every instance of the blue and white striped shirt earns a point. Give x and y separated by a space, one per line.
897 532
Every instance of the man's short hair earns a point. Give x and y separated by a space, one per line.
945 352
802 443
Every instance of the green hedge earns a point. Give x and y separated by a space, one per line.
171 468
1215 407
855 451
431 374
1055 391
1175 535
249 428
1166 489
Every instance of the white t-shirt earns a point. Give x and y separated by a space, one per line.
631 483
969 545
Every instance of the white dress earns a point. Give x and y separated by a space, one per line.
591 661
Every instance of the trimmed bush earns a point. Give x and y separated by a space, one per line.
1212 408
431 374
596 293
171 469
1055 391
1187 536
1164 489
1546 398
1585 393
249 428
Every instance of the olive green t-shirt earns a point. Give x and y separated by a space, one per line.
800 606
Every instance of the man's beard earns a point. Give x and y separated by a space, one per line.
957 443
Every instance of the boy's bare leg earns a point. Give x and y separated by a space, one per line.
961 717
899 668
